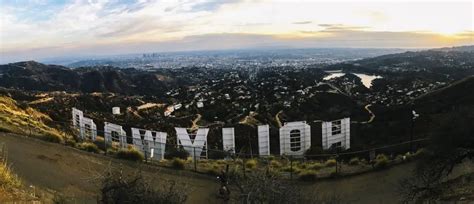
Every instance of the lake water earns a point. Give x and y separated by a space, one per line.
365 78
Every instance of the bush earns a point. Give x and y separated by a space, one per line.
251 163
354 161
308 175
178 163
100 143
381 161
8 180
213 170
130 154
51 138
330 162
173 152
288 169
88 146
70 142
302 165
316 166
275 163
4 129
117 187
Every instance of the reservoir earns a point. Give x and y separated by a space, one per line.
365 78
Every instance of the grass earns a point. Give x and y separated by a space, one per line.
316 166
26 121
178 163
381 161
251 163
88 146
308 175
354 161
330 162
8 180
213 169
275 164
130 154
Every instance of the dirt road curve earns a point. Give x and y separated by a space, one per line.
63 169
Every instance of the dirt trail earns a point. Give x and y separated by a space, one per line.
67 170
372 115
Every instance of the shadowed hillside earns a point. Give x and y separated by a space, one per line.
35 76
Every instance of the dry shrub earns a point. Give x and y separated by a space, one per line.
178 163
330 162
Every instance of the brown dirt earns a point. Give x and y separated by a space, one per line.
53 167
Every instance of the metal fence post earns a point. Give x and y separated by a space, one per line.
194 158
105 145
243 165
291 167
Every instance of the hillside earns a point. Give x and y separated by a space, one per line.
35 76
449 98
440 64
21 119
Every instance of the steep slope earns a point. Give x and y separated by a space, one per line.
25 120
453 97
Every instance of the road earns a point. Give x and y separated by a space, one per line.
372 115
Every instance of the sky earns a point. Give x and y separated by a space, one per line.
35 29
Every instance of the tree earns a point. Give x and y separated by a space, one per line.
117 187
451 144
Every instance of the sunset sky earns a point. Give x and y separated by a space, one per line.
33 29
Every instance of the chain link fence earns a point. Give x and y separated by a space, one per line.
214 161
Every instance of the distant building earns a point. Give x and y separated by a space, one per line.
116 110
178 106
200 104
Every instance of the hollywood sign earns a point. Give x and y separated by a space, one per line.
295 137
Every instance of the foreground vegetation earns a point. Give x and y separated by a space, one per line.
24 120
119 188
11 187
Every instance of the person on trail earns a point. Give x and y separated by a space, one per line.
223 178
224 191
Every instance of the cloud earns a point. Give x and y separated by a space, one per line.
340 27
82 26
211 5
302 22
